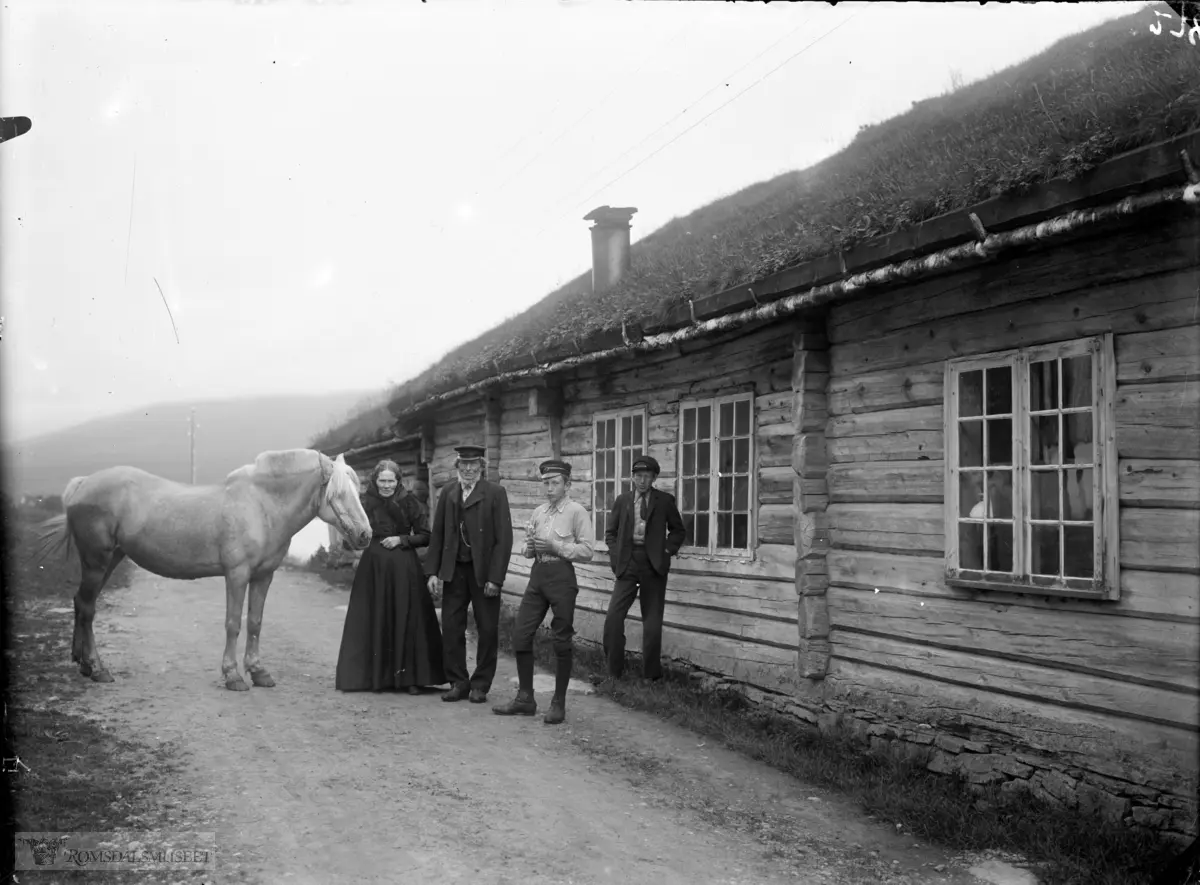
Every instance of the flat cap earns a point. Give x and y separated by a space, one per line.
645 462
554 467
470 452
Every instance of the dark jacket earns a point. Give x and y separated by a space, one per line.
402 515
489 526
664 531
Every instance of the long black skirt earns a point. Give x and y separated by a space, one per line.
391 638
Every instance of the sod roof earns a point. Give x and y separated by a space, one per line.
1087 98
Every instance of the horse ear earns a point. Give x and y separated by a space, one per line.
341 459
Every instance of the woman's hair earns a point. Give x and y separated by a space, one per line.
382 466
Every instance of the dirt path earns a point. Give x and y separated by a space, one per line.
306 784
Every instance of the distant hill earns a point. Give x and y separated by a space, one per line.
229 433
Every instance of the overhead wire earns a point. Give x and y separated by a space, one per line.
586 114
495 165
724 80
707 116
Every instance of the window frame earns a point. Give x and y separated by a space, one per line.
712 551
639 411
1105 584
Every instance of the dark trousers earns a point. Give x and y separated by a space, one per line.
459 592
552 586
639 579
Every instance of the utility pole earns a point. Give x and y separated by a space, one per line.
192 443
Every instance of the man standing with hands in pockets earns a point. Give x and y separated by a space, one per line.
470 543
644 531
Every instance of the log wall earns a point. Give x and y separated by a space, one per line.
1109 689
842 614
731 616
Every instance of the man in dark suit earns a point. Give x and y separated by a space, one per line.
644 531
470 542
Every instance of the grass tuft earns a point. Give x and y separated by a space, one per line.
1069 849
74 775
945 810
1111 89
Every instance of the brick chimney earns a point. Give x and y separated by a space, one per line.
610 245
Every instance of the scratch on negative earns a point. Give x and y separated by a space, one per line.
129 233
168 307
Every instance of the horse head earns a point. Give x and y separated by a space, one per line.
340 504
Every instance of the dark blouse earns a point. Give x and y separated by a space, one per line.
401 515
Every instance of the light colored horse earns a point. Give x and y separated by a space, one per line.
240 529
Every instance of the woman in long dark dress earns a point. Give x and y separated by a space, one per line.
391 638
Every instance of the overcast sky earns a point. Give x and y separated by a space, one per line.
332 195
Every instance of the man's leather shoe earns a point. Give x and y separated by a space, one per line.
557 712
522 705
477 696
457 693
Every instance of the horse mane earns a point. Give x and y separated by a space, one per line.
340 479
337 478
276 463
286 462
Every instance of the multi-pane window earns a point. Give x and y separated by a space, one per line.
716 469
619 438
1030 488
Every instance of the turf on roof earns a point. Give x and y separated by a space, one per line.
1087 98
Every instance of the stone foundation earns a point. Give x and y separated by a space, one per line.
1094 788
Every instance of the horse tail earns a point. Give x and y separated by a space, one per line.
55 534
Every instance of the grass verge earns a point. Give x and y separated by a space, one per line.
1068 848
73 774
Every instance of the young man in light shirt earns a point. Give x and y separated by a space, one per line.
557 535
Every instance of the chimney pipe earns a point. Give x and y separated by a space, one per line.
610 245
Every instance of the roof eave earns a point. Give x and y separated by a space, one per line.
1144 169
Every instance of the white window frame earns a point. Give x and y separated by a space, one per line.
1105 583
626 482
712 550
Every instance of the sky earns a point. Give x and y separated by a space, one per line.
224 198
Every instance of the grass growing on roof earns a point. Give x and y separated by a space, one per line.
1087 98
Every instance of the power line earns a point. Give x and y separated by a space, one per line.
587 114
724 80
708 115
520 141
717 109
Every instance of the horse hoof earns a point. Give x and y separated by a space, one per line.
101 676
262 679
236 684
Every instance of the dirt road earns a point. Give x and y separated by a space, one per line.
306 784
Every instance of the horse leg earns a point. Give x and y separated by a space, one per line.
254 615
96 572
235 598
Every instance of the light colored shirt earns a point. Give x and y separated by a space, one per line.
566 528
467 489
639 524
